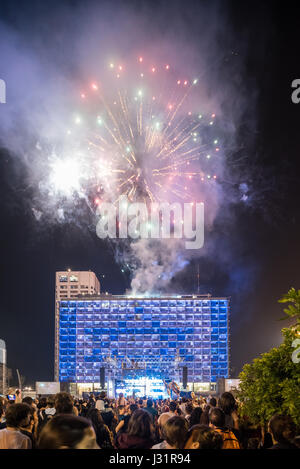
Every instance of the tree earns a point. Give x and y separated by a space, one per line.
271 383
293 310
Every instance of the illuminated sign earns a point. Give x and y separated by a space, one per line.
46 387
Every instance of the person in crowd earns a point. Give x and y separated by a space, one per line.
46 413
100 402
140 403
28 400
283 432
217 422
152 411
2 416
140 432
91 402
30 429
228 405
104 436
297 441
205 415
212 402
172 410
109 417
121 399
195 417
63 403
175 432
124 418
188 410
42 404
17 417
67 431
18 399
203 437
162 442
183 405
121 411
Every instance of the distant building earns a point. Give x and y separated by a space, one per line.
70 284
3 376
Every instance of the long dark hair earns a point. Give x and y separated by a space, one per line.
103 435
140 424
195 417
227 403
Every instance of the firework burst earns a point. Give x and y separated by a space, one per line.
140 132
145 140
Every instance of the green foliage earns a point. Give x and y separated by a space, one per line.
271 383
293 310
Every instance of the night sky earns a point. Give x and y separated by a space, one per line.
254 254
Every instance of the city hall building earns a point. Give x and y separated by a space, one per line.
138 344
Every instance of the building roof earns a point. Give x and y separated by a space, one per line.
110 297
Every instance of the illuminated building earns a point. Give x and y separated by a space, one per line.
70 284
150 337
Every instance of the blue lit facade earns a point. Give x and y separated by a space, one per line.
159 334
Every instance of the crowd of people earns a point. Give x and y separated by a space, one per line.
64 422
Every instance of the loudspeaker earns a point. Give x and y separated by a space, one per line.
102 377
184 376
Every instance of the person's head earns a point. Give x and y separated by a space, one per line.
33 419
102 395
282 428
203 437
133 408
149 403
173 406
63 403
42 403
213 402
18 415
140 424
94 415
50 402
66 431
189 408
9 403
195 416
1 410
162 420
216 417
27 400
175 431
227 403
